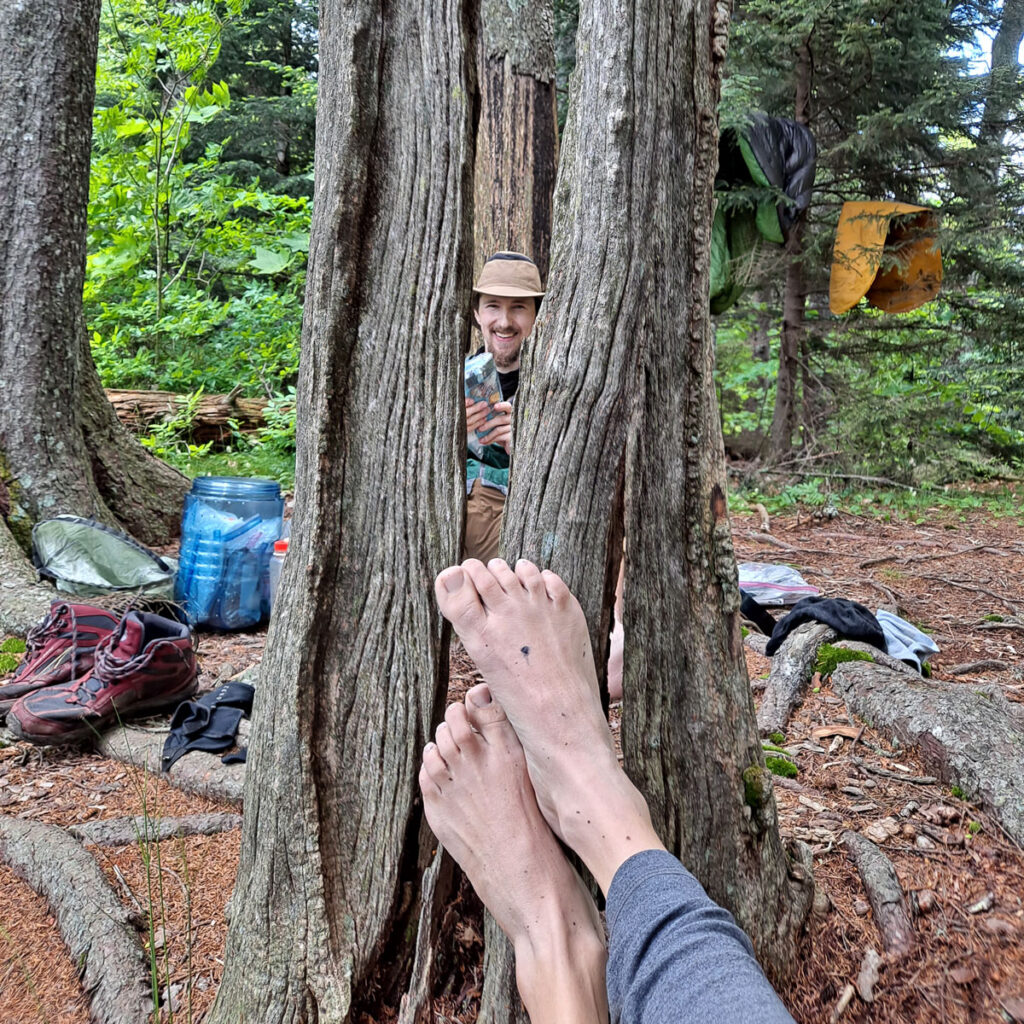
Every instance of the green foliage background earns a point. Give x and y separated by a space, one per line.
201 196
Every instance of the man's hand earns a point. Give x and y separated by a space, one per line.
498 428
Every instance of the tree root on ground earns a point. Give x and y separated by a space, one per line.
95 926
198 772
145 829
23 600
885 894
792 668
968 735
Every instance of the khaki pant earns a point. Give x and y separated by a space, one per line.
484 507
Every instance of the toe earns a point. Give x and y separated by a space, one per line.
482 710
489 589
506 578
556 588
530 577
428 787
435 765
459 727
458 599
446 744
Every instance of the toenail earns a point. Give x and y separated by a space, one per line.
481 696
454 581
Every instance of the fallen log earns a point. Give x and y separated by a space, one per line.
885 894
208 420
970 736
96 927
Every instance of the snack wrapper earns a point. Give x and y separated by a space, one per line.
482 385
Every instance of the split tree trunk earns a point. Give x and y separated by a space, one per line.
517 137
689 734
624 346
356 663
61 446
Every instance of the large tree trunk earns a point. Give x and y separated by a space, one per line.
625 342
61 446
689 734
517 143
356 663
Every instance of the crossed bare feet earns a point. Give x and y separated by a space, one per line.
480 804
528 636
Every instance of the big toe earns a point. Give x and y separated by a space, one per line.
483 711
458 599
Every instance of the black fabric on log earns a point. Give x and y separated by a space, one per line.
850 620
209 723
751 610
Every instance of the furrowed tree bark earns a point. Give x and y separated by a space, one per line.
689 733
356 664
624 335
61 446
517 137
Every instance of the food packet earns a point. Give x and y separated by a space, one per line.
482 385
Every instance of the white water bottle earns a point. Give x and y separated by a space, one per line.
276 565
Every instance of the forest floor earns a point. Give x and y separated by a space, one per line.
949 573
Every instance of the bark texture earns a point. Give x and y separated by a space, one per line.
23 600
140 828
970 736
517 136
690 737
624 347
197 772
61 446
355 668
93 923
792 668
793 337
885 894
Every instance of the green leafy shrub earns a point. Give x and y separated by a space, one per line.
13 645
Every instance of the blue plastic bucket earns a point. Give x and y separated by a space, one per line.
228 528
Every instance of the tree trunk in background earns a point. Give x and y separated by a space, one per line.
794 296
517 136
62 448
1004 87
356 662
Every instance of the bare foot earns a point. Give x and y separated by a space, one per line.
527 635
481 806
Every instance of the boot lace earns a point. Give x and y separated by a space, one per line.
60 617
109 669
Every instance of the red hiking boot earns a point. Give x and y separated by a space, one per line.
60 649
147 665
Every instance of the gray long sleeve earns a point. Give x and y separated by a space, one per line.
674 955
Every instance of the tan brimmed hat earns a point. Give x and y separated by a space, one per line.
511 274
